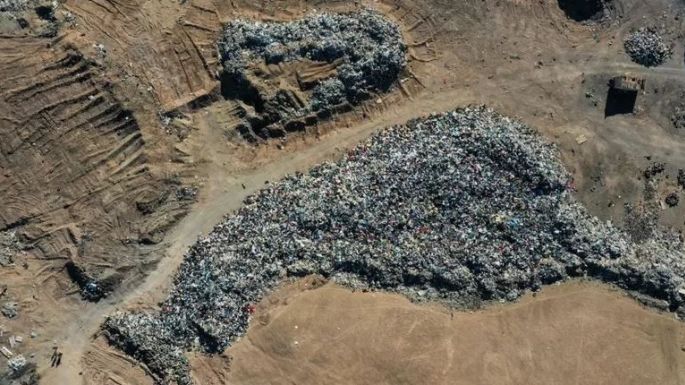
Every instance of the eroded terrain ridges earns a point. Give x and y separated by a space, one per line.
290 75
462 207
76 186
175 53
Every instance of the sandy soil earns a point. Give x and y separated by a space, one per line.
575 333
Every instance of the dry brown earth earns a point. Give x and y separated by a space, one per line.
575 333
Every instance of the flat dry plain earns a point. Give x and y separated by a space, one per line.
575 333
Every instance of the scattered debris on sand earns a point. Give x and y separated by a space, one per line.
678 118
21 372
462 207
92 289
38 17
13 5
654 169
16 363
672 199
646 47
9 246
350 56
10 309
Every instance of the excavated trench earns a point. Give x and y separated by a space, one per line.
583 10
620 102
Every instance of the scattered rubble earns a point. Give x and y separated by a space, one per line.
10 309
100 49
92 289
654 169
461 207
672 199
186 193
38 15
678 118
24 375
646 47
364 50
16 363
9 246
13 5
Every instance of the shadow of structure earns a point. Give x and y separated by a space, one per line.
622 95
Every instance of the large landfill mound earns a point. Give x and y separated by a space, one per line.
462 207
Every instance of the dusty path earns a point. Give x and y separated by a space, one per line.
223 192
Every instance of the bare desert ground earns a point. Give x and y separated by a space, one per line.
575 333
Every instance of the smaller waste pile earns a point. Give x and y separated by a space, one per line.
13 5
366 50
646 47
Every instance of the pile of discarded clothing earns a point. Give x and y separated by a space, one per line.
366 50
